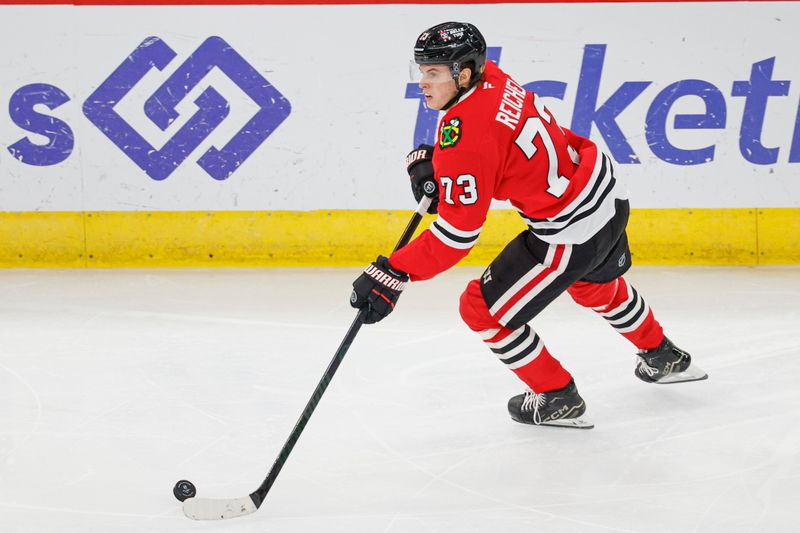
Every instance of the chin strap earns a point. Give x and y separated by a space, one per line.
453 101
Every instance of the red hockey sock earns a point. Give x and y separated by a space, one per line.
623 308
521 350
544 373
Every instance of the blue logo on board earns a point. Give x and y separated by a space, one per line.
161 109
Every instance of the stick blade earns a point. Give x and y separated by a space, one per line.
218 509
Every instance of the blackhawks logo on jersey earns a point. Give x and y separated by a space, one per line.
450 133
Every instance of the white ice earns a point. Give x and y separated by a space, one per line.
115 384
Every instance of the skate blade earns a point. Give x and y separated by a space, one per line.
574 423
693 373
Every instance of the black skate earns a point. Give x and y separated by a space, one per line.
561 407
667 364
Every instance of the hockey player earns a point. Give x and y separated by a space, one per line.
500 141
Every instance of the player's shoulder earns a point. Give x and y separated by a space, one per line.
485 96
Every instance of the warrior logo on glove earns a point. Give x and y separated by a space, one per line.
377 290
387 280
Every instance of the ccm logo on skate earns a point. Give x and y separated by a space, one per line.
752 94
160 108
385 279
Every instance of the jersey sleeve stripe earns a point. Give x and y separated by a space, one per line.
451 239
445 225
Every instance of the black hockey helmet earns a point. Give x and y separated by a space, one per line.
454 44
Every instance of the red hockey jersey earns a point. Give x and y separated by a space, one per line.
500 141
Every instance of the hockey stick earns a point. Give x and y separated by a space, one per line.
218 509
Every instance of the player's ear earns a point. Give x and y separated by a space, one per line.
464 77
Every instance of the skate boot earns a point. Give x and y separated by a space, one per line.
561 407
666 363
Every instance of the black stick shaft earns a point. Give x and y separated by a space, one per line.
261 492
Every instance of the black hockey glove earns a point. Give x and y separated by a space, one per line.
419 164
377 289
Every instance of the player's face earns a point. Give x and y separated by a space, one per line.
437 85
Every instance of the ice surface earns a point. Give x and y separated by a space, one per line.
115 384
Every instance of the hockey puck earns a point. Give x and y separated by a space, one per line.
184 489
